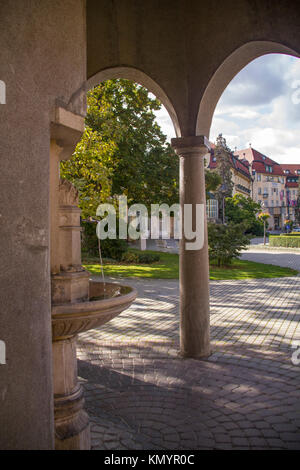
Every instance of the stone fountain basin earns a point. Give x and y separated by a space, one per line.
107 300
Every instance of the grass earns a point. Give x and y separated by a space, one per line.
167 268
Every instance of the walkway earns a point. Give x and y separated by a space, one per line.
285 259
246 395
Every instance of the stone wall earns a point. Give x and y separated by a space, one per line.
42 62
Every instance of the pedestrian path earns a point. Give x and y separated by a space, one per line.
246 395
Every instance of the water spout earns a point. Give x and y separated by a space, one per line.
102 270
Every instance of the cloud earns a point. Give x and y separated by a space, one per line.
258 107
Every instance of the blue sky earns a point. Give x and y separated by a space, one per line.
259 106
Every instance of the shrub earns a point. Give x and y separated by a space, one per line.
130 257
114 249
291 234
142 258
286 241
148 258
109 248
225 242
89 240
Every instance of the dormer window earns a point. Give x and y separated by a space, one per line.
286 172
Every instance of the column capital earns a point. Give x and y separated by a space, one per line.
196 144
66 129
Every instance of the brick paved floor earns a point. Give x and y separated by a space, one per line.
141 395
287 260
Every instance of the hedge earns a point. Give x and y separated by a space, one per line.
284 241
291 234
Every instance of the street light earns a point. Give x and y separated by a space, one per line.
223 191
263 206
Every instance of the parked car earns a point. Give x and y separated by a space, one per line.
296 229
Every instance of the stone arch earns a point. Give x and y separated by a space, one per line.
136 75
231 66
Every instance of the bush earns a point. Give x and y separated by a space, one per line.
286 241
89 240
130 257
148 258
109 248
142 258
291 234
114 249
225 242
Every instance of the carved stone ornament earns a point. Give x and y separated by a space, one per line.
68 194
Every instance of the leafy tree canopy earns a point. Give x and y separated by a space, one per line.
241 209
123 150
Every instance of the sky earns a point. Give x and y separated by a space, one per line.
261 106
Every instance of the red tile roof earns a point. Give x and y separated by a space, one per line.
293 168
259 160
239 165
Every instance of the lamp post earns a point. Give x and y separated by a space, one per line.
223 190
263 218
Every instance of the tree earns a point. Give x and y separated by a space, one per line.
225 242
123 150
241 209
223 156
212 182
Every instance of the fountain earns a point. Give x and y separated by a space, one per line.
78 304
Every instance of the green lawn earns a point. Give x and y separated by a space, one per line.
167 268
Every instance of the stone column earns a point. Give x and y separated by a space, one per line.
194 265
69 284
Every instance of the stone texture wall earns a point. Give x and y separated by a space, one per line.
42 61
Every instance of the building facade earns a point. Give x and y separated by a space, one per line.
240 173
275 186
292 174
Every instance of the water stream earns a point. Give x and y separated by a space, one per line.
102 270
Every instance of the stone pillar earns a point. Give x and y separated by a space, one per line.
69 284
72 429
194 265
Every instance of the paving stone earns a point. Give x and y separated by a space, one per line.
141 394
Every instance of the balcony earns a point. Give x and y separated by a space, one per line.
265 195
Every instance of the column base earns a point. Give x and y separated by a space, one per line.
192 355
72 428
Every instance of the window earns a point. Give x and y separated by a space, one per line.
212 208
259 190
258 177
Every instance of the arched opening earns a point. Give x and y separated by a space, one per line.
135 75
251 95
231 66
119 88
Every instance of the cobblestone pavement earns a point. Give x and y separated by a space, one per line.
141 395
284 259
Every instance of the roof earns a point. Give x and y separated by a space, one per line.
259 160
238 165
293 168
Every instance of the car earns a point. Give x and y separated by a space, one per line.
296 229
